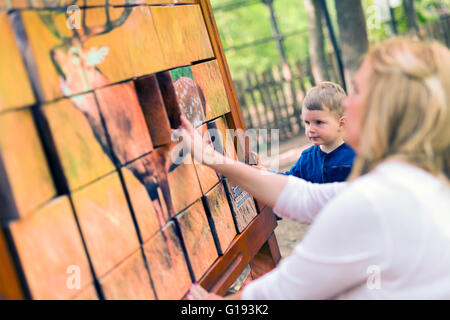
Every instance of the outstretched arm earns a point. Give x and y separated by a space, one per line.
263 186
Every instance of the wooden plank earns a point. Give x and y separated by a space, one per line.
10 286
190 99
118 55
15 89
155 114
221 215
197 45
219 53
244 247
51 56
197 238
125 121
170 36
167 264
208 77
242 204
80 140
128 281
88 293
207 177
179 183
51 251
143 195
26 177
266 259
106 223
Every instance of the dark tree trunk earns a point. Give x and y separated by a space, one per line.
319 67
353 36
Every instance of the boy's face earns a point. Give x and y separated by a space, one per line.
323 128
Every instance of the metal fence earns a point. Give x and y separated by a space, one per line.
273 98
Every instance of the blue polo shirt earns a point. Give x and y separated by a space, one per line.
317 166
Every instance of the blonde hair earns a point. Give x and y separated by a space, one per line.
406 114
325 94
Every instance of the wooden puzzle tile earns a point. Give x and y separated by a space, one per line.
207 76
80 139
207 177
145 194
128 281
195 36
167 264
106 223
197 238
223 140
170 36
88 293
26 182
169 96
51 251
15 89
116 54
242 204
221 216
10 287
183 184
190 100
125 122
58 55
155 114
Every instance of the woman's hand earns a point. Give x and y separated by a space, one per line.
200 147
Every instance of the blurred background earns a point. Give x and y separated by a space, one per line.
277 49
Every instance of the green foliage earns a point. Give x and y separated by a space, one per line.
251 22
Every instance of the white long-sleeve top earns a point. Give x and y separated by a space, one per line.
385 235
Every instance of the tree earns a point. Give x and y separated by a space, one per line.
352 34
317 57
411 16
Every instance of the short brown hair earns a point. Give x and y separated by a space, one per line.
326 94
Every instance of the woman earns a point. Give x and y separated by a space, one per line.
385 234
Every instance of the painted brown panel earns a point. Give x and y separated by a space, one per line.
106 223
242 204
9 279
206 176
144 192
51 251
26 177
221 216
170 98
88 293
128 47
15 89
167 264
59 57
207 76
125 122
80 139
197 238
155 114
170 36
195 36
189 98
184 186
128 281
222 139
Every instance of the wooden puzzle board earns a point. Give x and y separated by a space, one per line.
91 205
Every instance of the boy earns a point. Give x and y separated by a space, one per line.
330 159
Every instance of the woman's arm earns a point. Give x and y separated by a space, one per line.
264 186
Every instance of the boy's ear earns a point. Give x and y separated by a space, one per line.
342 122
